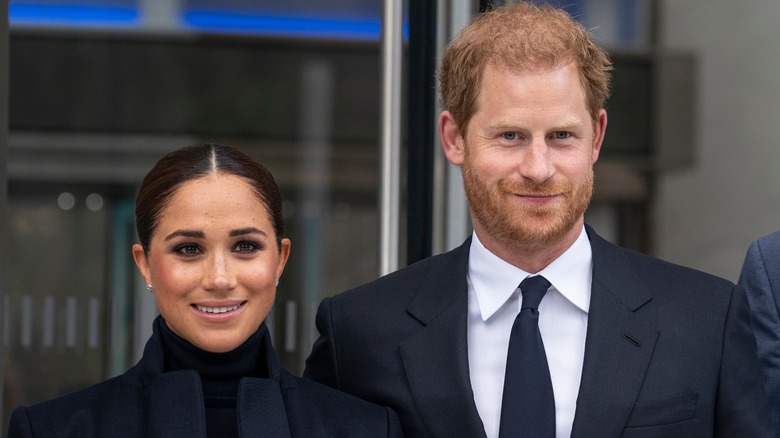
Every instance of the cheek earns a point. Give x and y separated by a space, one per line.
493 167
575 167
174 278
260 280
258 277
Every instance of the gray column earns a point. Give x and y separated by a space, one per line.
390 198
451 220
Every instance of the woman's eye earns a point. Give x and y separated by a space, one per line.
562 135
188 250
509 136
246 247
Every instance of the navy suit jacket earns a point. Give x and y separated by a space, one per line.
668 351
761 279
147 402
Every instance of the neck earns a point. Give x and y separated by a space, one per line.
248 359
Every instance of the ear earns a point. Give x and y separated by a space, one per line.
598 134
451 140
139 255
284 254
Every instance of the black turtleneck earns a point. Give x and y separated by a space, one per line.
220 374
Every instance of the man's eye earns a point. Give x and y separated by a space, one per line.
562 135
509 136
188 249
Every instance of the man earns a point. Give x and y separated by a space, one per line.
632 346
761 279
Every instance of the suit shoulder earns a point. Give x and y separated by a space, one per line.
767 247
404 283
770 239
656 270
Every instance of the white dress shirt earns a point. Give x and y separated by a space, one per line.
494 301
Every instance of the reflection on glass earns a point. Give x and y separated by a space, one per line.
79 146
55 303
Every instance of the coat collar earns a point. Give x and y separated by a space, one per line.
175 399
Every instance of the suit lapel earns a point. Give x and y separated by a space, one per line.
770 253
618 346
436 357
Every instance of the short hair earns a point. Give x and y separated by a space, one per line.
197 161
524 37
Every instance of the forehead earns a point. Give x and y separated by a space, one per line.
226 198
555 86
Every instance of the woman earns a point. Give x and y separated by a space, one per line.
211 250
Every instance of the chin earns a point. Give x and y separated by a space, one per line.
221 347
220 343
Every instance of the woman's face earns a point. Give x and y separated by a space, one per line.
213 262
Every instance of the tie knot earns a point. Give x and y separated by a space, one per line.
533 290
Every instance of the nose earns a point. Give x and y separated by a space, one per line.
536 164
219 275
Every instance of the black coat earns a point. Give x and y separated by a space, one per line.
668 352
145 401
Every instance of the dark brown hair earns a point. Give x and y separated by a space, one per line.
522 37
196 161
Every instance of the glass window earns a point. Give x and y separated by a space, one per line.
91 110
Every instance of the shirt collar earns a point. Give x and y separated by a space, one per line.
494 280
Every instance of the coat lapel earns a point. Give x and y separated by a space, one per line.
261 408
176 405
618 346
436 357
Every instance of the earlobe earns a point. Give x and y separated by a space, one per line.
451 139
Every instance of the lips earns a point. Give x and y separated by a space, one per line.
539 196
217 309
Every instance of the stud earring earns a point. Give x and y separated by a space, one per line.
149 288
277 282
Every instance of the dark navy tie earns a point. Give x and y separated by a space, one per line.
528 405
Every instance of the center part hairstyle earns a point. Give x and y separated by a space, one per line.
521 37
194 162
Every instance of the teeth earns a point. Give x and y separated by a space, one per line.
217 309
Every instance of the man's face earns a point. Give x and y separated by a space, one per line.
528 157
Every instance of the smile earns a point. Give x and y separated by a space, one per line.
539 198
218 309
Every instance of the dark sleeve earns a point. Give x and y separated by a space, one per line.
20 425
322 365
741 408
765 322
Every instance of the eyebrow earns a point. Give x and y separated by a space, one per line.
506 124
185 233
248 230
202 235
